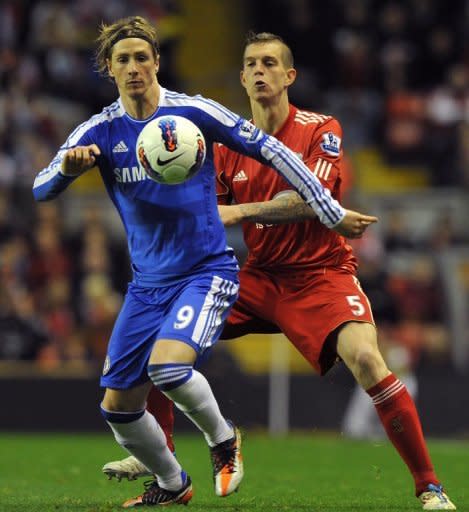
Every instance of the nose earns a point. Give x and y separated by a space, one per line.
132 67
258 68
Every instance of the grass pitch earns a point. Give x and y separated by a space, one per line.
302 472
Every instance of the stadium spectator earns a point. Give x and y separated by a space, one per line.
417 291
397 233
23 337
164 325
300 279
447 114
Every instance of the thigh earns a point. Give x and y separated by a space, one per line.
197 314
311 314
253 311
132 339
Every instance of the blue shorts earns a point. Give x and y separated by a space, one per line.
192 311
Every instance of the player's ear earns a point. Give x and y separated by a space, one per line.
291 76
242 79
157 62
109 68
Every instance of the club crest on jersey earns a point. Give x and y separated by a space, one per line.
168 130
249 132
331 144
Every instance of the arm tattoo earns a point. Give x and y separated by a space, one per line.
286 208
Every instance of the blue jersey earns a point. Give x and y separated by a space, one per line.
174 231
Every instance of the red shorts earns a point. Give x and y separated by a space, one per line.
308 308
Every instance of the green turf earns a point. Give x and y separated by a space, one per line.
310 472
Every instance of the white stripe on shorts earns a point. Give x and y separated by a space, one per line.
216 303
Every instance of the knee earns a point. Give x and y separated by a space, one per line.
368 366
358 347
114 403
124 401
367 360
120 417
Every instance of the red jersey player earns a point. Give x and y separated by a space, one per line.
299 278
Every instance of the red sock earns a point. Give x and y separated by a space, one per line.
162 409
400 419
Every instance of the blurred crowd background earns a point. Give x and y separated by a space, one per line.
395 74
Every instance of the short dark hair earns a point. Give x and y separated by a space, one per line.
109 35
267 37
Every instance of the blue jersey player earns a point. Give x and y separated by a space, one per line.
184 275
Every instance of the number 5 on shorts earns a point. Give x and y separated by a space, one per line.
358 309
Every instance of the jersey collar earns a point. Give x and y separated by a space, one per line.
160 102
288 121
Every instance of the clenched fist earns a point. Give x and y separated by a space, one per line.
79 159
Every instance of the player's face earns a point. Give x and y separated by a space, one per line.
133 67
265 75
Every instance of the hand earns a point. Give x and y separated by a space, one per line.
79 159
354 224
229 214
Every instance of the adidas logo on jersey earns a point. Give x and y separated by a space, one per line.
120 147
240 176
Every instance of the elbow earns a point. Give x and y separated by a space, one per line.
39 195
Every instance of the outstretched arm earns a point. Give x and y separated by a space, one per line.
285 208
289 207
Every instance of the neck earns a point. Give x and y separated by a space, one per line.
142 107
270 117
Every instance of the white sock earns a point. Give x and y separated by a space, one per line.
195 399
145 440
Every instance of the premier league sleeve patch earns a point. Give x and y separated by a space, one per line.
249 132
331 144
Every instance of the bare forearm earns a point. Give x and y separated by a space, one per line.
286 208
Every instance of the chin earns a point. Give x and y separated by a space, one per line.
134 93
262 98
257 95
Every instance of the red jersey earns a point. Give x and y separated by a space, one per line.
307 245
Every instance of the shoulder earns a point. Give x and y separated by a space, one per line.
98 122
320 129
204 105
314 121
107 115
